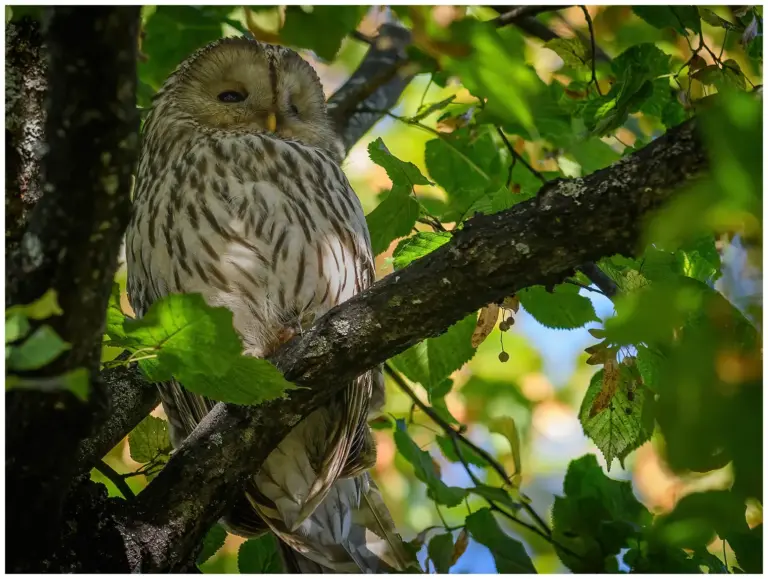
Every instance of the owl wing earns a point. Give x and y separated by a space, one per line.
346 449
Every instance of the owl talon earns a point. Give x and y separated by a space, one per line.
285 335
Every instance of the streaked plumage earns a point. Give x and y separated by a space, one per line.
265 224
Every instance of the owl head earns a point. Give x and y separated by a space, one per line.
240 84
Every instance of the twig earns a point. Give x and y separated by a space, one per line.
456 437
116 478
517 14
584 286
357 35
518 156
598 277
592 39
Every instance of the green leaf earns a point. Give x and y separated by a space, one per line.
496 70
149 440
593 154
562 309
440 550
596 518
469 455
425 470
248 380
574 52
16 327
115 315
431 361
182 329
677 17
427 110
76 381
506 426
625 424
418 246
400 172
260 555
508 553
321 28
393 218
698 517
38 350
214 540
713 19
172 33
495 494
466 165
42 308
197 344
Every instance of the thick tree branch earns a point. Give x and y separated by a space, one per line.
25 81
541 241
376 85
71 244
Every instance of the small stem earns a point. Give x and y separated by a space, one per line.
583 286
456 437
592 38
518 156
116 478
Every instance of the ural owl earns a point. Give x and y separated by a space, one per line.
239 196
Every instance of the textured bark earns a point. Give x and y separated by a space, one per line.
376 85
25 82
71 244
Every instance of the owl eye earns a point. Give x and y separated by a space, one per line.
231 96
294 109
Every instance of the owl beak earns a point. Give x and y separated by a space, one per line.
271 122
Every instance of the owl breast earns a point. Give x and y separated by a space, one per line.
269 229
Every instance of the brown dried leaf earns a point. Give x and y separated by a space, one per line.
610 384
462 541
511 303
599 353
486 321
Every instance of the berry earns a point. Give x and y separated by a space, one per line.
503 357
504 326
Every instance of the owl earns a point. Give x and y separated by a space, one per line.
239 196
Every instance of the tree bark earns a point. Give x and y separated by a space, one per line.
70 244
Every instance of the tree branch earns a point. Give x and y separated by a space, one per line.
541 241
24 122
376 85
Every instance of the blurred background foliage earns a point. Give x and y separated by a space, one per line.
668 395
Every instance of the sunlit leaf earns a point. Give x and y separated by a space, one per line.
562 309
393 218
431 361
149 439
417 246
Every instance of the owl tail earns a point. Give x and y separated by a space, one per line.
350 532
